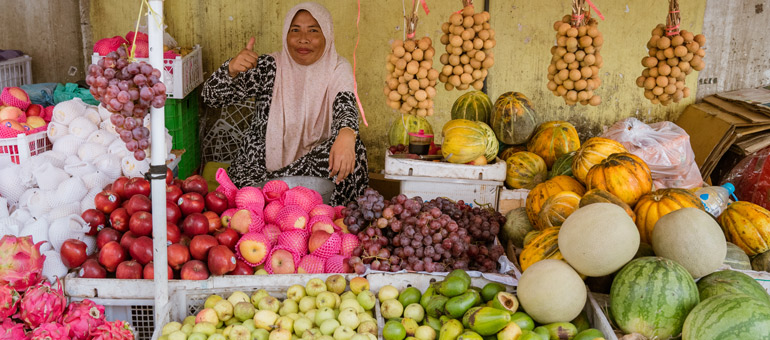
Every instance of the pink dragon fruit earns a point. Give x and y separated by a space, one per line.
41 304
113 330
22 264
9 300
83 317
10 330
51 331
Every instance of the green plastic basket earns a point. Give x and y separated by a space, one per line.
182 124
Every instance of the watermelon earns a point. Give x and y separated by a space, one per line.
736 258
562 165
474 105
492 143
728 316
731 282
407 123
652 296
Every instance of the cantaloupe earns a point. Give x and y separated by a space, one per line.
551 291
692 238
736 258
598 239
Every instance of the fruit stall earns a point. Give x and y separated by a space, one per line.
494 221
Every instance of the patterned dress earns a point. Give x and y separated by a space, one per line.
248 168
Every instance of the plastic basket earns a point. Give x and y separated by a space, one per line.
182 125
137 312
16 72
21 148
181 74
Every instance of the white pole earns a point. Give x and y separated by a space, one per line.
158 157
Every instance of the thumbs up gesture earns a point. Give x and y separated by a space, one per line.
245 60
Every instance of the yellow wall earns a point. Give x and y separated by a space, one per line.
523 32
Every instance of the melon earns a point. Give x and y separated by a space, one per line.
728 317
551 291
761 262
731 282
400 128
692 238
598 239
652 296
492 144
516 227
736 258
473 105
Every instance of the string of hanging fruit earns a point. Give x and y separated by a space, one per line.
468 39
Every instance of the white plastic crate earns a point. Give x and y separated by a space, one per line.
16 72
477 193
181 74
137 312
422 168
21 148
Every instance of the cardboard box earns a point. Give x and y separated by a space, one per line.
511 199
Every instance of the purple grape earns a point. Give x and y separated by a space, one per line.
123 97
109 62
134 93
144 144
117 119
116 105
123 85
159 89
100 63
155 72
146 69
101 81
129 124
145 132
128 107
140 79
113 81
113 55
124 74
158 102
140 114
132 145
91 80
146 93
122 52
122 63
137 132
154 80
139 110
94 70
125 135
133 68
139 155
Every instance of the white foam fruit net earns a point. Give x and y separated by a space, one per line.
68 145
37 228
10 186
67 227
82 127
64 210
96 179
53 267
134 168
109 164
48 177
71 190
79 169
101 137
89 151
67 111
92 114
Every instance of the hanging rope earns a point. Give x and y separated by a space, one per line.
673 18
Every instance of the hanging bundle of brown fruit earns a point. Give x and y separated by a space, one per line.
469 40
673 54
411 80
575 62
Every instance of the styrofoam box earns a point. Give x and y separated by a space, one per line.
476 193
494 172
139 313
16 72
181 75
21 148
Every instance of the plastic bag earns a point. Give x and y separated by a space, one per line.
41 93
664 146
72 90
751 178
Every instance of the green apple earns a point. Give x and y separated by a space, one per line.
189 319
294 316
216 337
336 283
226 331
425 332
170 327
343 333
257 296
177 335
349 318
410 326
187 328
365 316
325 299
391 309
325 337
311 334
414 311
359 336
371 336
224 310
285 322
295 292
260 334
387 292
288 306
328 326
237 296
307 303
351 304
265 319
366 299
232 321
244 311
301 325
261 271
348 295
315 286
211 301
323 314
207 315
197 336
269 303
239 332
368 326
249 324
280 334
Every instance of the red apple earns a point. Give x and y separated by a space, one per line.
173 234
169 176
127 240
173 213
195 183
178 254
216 202
95 219
173 193
73 253
119 220
221 260
119 186
317 239
141 223
195 224
191 202
34 110
129 270
141 249
138 203
137 186
200 245
107 201
177 182
185 239
241 268
91 269
282 262
149 271
215 223
194 270
111 255
105 236
227 237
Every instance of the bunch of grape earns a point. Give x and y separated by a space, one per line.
398 149
366 209
127 89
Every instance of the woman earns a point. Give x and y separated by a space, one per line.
306 122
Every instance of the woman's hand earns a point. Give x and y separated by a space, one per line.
342 157
244 61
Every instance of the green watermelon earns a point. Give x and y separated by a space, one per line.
731 282
562 165
474 105
736 258
492 144
728 316
405 124
652 296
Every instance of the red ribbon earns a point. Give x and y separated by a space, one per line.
595 9
355 83
425 6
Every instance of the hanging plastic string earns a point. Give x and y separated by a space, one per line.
355 81
595 9
673 18
136 31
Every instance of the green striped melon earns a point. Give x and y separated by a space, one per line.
730 317
474 105
492 143
652 296
405 124
731 282
562 165
736 258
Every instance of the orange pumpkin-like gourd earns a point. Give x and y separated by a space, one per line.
747 225
654 205
557 208
623 174
603 196
525 170
593 152
542 191
510 150
553 139
543 246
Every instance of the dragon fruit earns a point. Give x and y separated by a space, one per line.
9 300
22 264
113 330
10 330
83 317
51 331
41 304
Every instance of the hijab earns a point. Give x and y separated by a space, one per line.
301 111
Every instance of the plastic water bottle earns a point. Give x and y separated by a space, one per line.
716 198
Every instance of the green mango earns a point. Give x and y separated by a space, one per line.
505 301
426 296
433 323
435 306
443 319
469 335
458 305
581 322
589 334
450 330
512 331
453 286
409 296
542 332
487 320
530 335
394 331
524 321
467 316
489 337
490 290
561 330
459 273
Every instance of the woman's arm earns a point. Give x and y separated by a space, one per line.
342 156
221 90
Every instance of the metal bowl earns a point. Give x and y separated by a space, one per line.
323 186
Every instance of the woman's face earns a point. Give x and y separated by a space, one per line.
305 40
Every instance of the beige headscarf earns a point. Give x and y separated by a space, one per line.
301 112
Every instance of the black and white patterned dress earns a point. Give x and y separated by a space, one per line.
249 168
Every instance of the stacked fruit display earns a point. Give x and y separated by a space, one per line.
453 309
18 113
319 309
469 39
37 310
410 84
